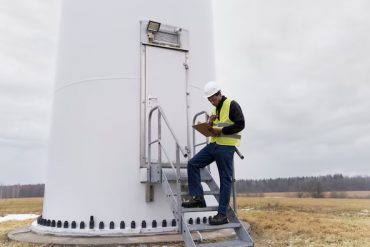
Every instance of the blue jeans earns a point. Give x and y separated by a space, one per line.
224 157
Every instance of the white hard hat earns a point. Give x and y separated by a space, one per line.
211 88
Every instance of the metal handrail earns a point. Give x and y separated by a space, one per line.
161 148
167 156
168 126
194 120
235 200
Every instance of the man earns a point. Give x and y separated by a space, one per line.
227 121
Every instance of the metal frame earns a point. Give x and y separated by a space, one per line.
142 101
161 147
174 198
186 66
235 202
144 42
241 232
175 204
194 121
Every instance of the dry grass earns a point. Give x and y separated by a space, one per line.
274 221
333 194
307 221
17 206
20 206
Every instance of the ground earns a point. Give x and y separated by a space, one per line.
307 221
274 221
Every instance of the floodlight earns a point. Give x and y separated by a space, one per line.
153 26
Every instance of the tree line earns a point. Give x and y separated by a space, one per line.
319 184
18 191
313 185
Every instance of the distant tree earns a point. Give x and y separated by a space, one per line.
16 191
312 185
316 189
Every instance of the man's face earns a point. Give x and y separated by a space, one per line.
215 99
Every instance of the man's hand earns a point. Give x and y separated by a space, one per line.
216 131
211 119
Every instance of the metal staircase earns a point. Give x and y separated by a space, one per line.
174 172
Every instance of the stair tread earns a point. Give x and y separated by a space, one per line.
212 208
170 176
205 193
203 179
168 165
207 227
231 243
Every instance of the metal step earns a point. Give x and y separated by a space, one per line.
231 243
206 193
213 208
171 175
167 164
207 227
185 179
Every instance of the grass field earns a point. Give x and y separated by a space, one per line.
334 194
307 221
274 221
17 206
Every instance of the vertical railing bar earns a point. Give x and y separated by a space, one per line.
187 105
194 141
241 156
194 120
149 184
171 131
173 166
207 140
178 184
159 138
235 203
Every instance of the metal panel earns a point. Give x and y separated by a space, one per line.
155 173
168 36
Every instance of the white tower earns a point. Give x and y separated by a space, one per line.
112 69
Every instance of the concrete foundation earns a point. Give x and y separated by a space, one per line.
26 235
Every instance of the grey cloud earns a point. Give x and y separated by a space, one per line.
27 57
300 71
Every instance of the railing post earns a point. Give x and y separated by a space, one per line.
178 184
194 120
159 138
149 187
235 202
241 156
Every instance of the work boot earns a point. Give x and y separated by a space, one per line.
195 202
219 219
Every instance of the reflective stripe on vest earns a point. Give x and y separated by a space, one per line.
228 140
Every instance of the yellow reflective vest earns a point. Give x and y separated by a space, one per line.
227 140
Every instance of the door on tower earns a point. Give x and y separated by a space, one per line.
166 86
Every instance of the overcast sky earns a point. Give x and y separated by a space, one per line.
299 69
27 56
